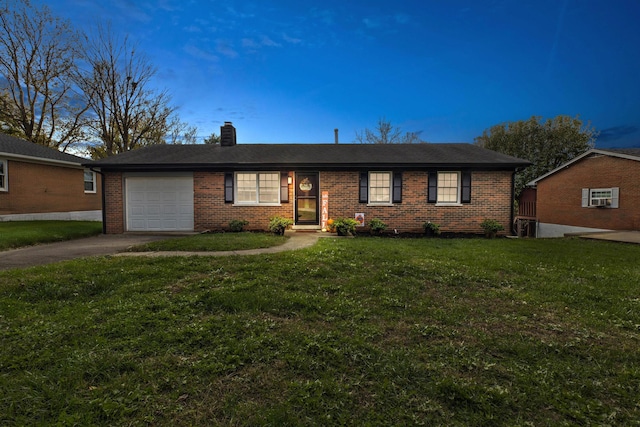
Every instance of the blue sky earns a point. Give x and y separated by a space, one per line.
286 71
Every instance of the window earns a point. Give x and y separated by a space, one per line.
3 175
257 188
600 197
89 181
379 187
448 187
382 188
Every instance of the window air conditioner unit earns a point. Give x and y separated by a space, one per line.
600 202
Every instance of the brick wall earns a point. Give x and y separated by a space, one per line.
490 198
559 196
44 188
114 203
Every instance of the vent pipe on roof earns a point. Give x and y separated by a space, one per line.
227 135
335 132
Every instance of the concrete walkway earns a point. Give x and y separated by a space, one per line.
614 236
117 244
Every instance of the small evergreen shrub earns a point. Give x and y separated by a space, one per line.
278 224
237 225
377 225
345 226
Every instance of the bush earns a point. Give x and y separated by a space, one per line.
431 228
491 227
237 225
278 224
377 225
345 226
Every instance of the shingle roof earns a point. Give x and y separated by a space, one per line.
625 153
12 146
309 155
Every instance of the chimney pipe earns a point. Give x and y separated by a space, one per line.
335 132
227 135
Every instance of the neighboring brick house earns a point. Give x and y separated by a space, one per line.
38 183
596 191
203 187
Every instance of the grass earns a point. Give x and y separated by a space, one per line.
362 331
214 242
15 234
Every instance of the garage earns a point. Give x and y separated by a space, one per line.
159 203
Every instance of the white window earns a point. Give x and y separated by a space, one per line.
448 187
89 181
380 187
257 188
3 175
600 197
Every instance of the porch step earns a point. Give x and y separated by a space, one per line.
306 228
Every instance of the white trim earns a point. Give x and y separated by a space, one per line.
257 182
580 157
5 175
458 189
95 184
390 186
32 159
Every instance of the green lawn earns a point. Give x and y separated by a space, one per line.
15 234
215 242
365 331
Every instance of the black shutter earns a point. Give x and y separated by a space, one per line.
466 187
364 187
228 187
432 192
397 187
284 187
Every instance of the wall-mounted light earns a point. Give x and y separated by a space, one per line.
290 180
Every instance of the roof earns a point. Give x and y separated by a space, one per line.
13 147
309 155
623 153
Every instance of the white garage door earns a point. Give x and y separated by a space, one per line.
159 203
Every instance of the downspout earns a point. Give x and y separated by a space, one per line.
513 199
104 213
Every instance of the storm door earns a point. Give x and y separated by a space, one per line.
307 198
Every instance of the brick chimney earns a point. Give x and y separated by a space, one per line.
227 135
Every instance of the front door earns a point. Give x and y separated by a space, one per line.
307 198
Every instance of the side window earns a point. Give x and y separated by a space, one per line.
600 197
380 187
3 175
89 181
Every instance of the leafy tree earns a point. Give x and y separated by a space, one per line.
547 144
179 132
38 54
212 139
385 133
127 113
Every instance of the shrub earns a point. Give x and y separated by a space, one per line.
491 227
431 228
377 225
237 225
278 224
345 226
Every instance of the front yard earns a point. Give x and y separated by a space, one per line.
351 331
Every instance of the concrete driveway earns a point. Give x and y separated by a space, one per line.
104 244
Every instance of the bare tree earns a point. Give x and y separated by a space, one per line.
127 112
179 132
387 134
38 55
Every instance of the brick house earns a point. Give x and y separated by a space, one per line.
596 191
203 187
38 183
